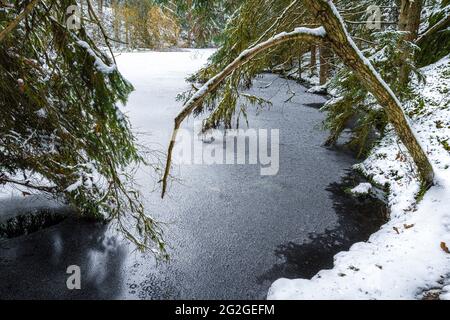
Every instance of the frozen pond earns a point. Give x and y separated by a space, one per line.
231 231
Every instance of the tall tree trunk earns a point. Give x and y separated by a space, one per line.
81 11
127 32
313 61
343 45
190 23
409 21
325 57
303 34
10 27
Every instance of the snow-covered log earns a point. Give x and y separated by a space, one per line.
19 18
304 34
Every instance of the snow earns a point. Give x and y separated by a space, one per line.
316 32
445 293
16 200
318 89
362 57
362 188
405 257
99 64
13 204
41 113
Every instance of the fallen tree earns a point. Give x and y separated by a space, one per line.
335 34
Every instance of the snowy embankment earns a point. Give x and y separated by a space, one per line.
409 255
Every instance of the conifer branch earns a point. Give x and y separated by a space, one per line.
9 28
304 34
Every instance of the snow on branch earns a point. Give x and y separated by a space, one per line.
18 19
305 34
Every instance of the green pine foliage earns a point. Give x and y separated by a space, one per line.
202 21
60 128
356 108
253 22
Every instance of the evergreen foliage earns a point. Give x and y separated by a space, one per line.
254 22
356 106
61 131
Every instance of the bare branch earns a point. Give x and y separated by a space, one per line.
103 31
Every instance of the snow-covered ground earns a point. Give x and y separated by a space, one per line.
410 254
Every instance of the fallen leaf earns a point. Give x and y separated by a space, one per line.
408 226
444 247
396 230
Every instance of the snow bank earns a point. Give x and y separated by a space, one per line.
408 255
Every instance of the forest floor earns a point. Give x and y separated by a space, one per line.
409 257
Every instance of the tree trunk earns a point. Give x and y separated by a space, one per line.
409 21
343 45
82 11
100 8
325 57
116 19
313 61
303 34
300 66
441 25
127 32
